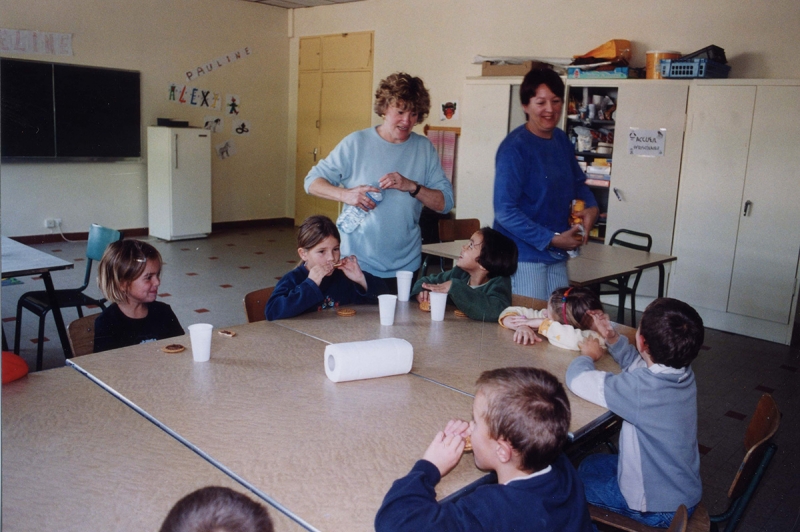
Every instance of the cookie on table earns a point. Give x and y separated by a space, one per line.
345 312
171 349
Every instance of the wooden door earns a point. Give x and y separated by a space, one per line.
712 179
768 243
334 99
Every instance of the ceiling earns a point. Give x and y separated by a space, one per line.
291 4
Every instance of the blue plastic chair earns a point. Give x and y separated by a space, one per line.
39 303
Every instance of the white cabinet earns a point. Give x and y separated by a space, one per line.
178 182
736 231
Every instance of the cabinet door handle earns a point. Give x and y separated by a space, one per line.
315 154
617 194
176 151
747 205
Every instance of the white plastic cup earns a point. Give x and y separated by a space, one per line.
438 304
404 285
387 304
200 334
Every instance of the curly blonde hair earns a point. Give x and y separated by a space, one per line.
405 92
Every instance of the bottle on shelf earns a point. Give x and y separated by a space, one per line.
352 216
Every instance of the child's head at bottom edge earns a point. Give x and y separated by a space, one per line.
525 407
672 332
217 509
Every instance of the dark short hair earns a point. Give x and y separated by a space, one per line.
536 77
404 91
673 331
314 230
529 408
122 263
575 305
217 509
498 253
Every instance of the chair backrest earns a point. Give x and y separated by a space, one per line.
99 239
528 302
450 230
680 521
81 335
762 428
255 302
618 240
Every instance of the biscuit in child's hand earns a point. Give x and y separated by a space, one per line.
468 444
226 332
460 314
345 312
425 306
173 348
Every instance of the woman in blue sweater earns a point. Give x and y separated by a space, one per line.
324 279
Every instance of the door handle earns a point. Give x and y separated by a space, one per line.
315 154
618 194
747 205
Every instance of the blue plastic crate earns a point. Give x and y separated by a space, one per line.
693 68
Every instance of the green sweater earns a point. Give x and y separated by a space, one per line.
484 302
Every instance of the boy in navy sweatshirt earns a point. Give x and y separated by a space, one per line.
658 466
520 422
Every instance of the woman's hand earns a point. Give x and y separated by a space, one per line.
350 267
357 197
397 181
442 288
588 217
524 335
568 239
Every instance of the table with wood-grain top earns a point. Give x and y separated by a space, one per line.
263 408
75 458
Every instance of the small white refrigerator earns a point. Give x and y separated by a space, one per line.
178 182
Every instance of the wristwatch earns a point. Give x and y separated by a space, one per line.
416 191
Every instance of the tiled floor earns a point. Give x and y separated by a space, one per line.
205 281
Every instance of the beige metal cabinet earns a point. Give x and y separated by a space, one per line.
736 234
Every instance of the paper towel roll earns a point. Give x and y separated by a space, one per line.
366 360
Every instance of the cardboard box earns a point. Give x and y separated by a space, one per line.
491 69
577 73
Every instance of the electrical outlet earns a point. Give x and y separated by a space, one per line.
58 222
49 223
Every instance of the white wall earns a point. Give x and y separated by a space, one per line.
161 39
438 39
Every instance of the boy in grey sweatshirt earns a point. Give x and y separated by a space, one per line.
658 467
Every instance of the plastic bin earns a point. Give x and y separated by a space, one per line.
693 68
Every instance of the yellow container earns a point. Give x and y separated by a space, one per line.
653 62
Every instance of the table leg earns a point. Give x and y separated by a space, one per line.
62 331
661 280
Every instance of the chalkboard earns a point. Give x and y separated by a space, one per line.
54 111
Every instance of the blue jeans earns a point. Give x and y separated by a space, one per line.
599 475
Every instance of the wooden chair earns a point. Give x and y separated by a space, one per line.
621 287
81 335
680 523
450 230
759 450
255 302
